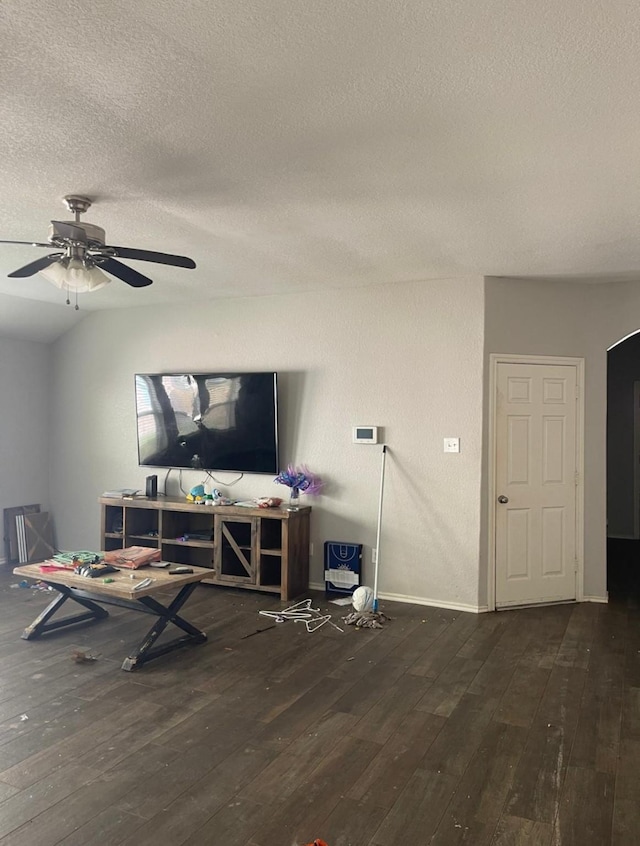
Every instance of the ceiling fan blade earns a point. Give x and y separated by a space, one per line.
127 274
27 243
148 255
70 231
35 266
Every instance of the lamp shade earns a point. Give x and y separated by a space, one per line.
75 276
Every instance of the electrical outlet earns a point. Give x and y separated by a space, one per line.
452 444
374 555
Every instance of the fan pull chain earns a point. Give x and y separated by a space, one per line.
68 301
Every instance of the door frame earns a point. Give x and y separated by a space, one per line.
501 358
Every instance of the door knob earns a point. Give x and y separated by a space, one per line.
502 499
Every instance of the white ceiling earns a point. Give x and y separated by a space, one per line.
289 145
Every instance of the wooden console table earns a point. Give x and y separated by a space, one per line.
265 549
91 594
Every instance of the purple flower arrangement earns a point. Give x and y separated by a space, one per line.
301 479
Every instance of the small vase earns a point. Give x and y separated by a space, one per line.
294 499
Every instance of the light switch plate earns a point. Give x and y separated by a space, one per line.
452 444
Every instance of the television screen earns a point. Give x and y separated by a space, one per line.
209 421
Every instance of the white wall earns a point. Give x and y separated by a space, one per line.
25 404
408 358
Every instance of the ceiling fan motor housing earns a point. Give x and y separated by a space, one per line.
95 234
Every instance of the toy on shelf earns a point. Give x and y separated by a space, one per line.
218 499
197 494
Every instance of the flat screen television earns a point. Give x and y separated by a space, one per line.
209 421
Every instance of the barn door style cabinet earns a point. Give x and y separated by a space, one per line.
265 549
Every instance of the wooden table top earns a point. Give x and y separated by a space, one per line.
122 585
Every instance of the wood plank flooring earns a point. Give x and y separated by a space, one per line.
521 727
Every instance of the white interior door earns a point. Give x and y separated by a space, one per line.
536 417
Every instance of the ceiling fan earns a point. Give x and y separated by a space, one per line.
82 254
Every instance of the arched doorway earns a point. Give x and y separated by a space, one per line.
623 467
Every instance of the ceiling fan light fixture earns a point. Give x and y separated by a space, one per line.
84 255
75 276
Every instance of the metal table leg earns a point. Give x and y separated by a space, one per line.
166 614
41 625
145 604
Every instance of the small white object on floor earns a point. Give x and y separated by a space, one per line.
362 599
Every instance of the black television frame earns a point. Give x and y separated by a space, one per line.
273 445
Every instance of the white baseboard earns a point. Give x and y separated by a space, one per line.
434 603
437 603
419 600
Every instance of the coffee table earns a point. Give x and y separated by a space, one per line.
92 594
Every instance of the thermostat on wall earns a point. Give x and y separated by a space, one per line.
365 434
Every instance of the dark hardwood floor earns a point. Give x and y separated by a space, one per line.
443 728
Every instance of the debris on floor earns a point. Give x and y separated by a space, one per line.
366 619
257 631
81 656
27 585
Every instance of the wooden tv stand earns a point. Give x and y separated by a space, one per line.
265 549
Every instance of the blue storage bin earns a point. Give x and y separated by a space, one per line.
342 566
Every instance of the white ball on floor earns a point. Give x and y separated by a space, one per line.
362 599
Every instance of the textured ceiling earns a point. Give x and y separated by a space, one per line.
289 145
